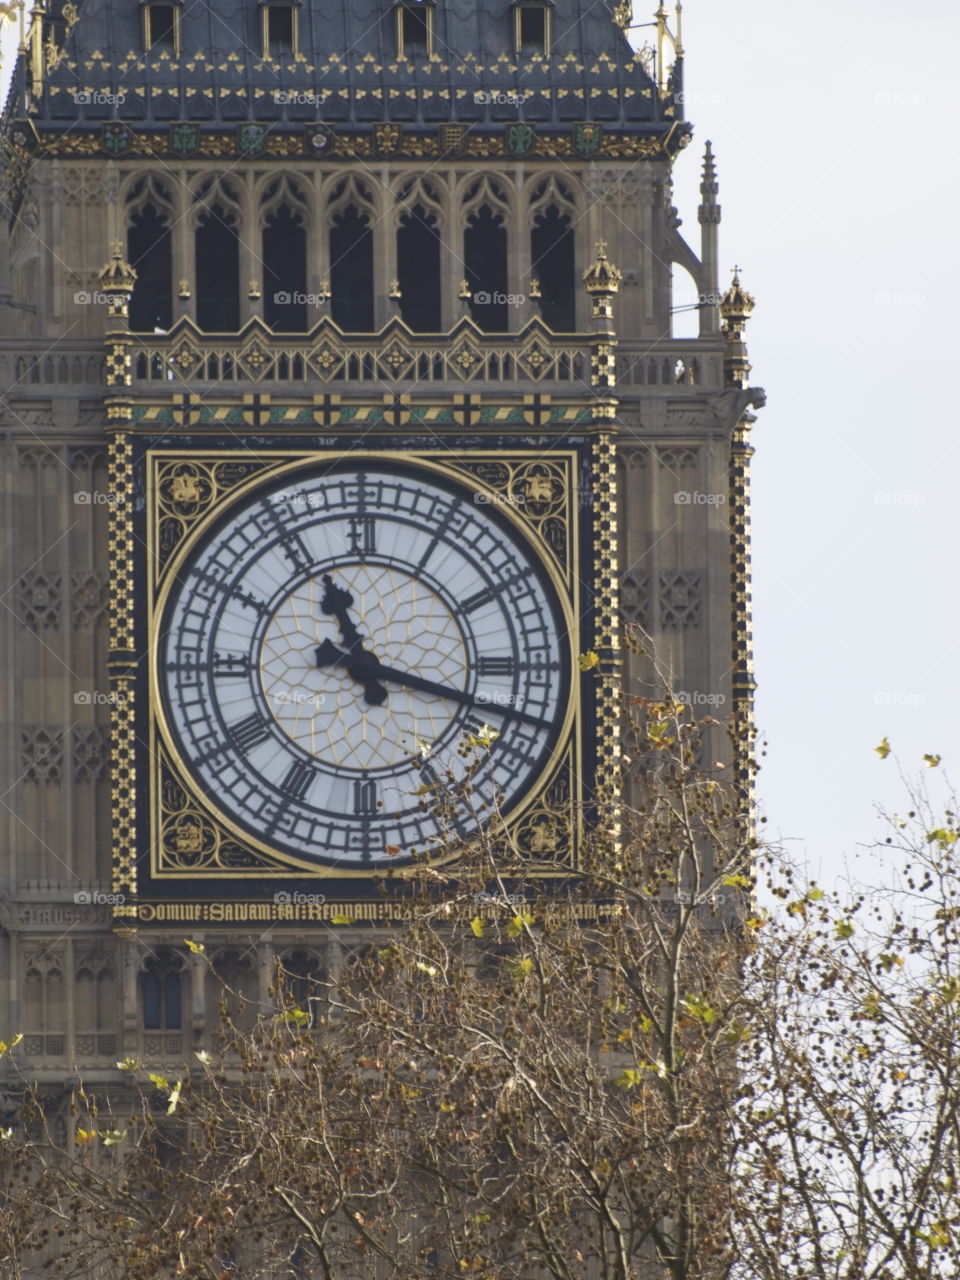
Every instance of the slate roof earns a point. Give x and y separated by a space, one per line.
348 60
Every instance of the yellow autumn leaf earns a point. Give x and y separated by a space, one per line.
476 924
12 1045
83 1136
342 920
196 947
883 750
587 661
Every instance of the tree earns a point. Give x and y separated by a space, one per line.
523 1085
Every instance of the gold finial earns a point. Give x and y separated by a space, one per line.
465 291
602 277
253 292
183 290
535 289
393 293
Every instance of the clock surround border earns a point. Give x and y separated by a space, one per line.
586 452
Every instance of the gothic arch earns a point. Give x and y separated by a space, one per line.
351 215
553 219
285 219
420 238
149 215
487 213
216 219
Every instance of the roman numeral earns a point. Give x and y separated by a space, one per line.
363 535
476 601
251 601
364 798
249 733
227 665
296 784
295 551
496 666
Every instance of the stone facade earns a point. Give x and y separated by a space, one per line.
83 991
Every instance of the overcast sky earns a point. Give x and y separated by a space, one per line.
834 131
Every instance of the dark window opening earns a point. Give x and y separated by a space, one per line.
303 983
218 273
149 251
351 271
533 29
161 26
161 995
414 29
552 250
485 256
418 270
285 272
279 31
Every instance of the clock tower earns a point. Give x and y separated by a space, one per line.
344 430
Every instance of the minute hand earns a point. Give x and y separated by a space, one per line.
411 681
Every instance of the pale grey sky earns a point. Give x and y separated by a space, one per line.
833 130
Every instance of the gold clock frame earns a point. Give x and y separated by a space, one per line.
187 489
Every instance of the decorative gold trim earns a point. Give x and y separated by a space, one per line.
123 665
187 489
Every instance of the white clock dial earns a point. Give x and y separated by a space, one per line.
326 647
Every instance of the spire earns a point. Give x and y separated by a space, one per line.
709 210
709 216
736 307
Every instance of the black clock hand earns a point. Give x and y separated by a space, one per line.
335 603
364 666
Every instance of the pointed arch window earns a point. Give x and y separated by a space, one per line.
217 259
351 260
149 250
485 260
532 27
418 258
414 28
284 252
161 992
280 28
161 26
553 265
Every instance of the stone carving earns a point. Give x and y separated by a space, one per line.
90 596
91 752
681 598
41 753
677 459
39 599
635 598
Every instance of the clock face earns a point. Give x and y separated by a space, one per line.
327 648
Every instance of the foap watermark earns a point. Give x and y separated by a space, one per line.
696 699
897 98
283 898
891 298
500 699
893 498
86 298
484 299
693 498
300 499
297 698
889 698
93 898
299 97
701 99
699 899
97 698
90 98
498 899
96 498
284 299
499 499
499 98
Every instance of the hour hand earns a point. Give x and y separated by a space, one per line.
361 666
